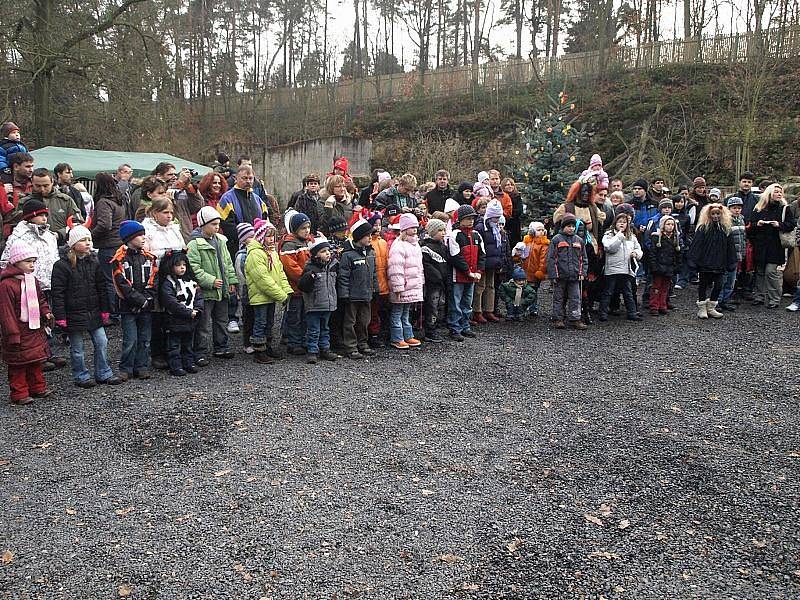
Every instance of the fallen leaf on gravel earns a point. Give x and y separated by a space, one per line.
121 512
222 473
514 545
624 524
449 558
604 554
794 454
428 492
593 519
546 404
661 536
713 397
124 591
605 510
796 573
4 462
759 543
470 587
71 511
619 589
581 420
676 409
43 445
251 479
667 370
8 557
238 568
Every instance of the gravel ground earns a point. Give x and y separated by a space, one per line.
630 461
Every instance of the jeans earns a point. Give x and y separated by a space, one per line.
104 256
102 371
400 323
212 326
248 317
233 306
318 335
263 320
296 322
460 309
727 286
796 298
571 290
179 350
683 275
615 284
136 331
434 298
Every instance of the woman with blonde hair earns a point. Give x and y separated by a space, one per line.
713 252
769 218
338 202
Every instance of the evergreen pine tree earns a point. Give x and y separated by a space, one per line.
548 158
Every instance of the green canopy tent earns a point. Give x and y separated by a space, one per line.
87 163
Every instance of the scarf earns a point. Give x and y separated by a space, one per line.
29 302
498 238
518 295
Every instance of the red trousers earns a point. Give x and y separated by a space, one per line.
659 292
378 306
24 380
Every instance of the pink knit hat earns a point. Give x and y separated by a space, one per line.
20 251
262 227
407 221
595 160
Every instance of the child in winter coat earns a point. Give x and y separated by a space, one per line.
495 244
712 254
80 305
380 306
533 257
293 252
739 234
566 268
519 295
406 280
182 300
622 252
467 258
23 314
267 286
596 170
318 285
10 144
437 277
246 235
34 230
663 258
213 270
357 285
134 272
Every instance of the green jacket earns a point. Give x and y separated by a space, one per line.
205 265
266 280
508 291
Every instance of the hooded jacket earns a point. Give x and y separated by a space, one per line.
566 258
41 239
109 212
406 274
294 255
619 250
358 277
535 264
266 280
134 274
210 263
179 297
435 265
465 248
79 294
21 344
318 285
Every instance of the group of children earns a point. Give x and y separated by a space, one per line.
387 269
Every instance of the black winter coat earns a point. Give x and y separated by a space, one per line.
436 198
79 295
178 302
663 258
713 250
496 258
767 247
435 265
358 276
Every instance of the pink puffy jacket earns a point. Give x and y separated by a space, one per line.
406 277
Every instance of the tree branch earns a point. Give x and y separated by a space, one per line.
100 27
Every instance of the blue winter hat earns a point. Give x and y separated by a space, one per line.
129 230
518 274
297 221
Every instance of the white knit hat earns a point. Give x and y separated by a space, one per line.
76 234
450 205
207 214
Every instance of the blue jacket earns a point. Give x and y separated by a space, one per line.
496 258
7 148
644 212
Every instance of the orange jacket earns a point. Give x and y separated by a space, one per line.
536 264
505 202
293 254
381 249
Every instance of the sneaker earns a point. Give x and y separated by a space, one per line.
178 373
355 355
312 359
192 369
793 307
233 326
201 362
469 334
401 345
456 337
46 393
88 384
413 342
113 380
678 286
367 351
249 349
329 355
226 354
22 401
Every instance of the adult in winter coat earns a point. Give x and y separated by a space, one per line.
63 211
110 211
581 202
622 250
436 197
464 193
338 203
713 252
406 281
769 218
745 193
212 187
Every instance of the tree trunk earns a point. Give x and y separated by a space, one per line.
43 76
476 40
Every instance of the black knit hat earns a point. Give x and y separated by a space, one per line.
642 183
465 211
33 207
337 223
360 229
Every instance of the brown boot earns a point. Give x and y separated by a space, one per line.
578 325
559 324
260 357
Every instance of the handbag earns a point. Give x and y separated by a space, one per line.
788 238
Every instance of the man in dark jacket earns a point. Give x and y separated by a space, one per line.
356 286
436 198
308 202
745 192
63 211
64 177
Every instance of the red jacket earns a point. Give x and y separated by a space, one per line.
21 345
466 254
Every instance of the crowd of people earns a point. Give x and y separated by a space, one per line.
180 265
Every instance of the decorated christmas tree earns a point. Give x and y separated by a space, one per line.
548 157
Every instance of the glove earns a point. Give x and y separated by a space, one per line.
105 317
62 323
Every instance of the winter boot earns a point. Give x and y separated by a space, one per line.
702 309
712 309
261 357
